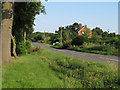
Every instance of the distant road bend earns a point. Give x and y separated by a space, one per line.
82 55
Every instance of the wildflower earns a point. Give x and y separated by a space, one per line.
95 78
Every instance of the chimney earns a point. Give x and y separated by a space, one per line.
80 25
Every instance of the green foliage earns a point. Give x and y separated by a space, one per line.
20 49
97 31
28 46
75 25
24 48
54 37
117 43
38 37
105 35
30 72
52 70
23 21
68 32
42 37
99 48
78 40
100 40
111 35
86 36
96 48
34 49
114 41
89 45
66 44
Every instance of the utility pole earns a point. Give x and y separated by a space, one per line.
61 36
44 36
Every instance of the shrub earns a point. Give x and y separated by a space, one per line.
59 44
20 49
78 40
89 45
76 47
113 41
117 43
33 40
40 41
99 48
94 39
35 49
28 46
66 44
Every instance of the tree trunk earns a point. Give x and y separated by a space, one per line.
0 35
14 47
24 37
7 20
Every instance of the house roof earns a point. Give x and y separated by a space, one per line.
79 29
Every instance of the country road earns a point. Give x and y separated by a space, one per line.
82 55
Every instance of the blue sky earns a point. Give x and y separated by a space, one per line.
92 14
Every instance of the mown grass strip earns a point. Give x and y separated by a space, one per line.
46 69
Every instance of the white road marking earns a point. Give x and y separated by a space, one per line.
110 59
114 60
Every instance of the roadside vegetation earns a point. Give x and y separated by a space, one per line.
101 42
46 69
96 48
35 67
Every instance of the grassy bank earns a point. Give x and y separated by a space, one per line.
92 48
46 69
89 50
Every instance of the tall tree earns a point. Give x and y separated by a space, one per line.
105 35
7 20
24 15
98 31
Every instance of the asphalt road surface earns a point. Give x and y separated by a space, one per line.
82 55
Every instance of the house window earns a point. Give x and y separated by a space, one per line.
82 32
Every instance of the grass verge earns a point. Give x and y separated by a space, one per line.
46 69
89 50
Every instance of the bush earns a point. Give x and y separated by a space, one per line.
28 46
33 40
35 49
94 39
20 49
66 44
89 45
117 43
78 40
40 41
107 48
98 48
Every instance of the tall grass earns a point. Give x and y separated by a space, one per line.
96 48
46 69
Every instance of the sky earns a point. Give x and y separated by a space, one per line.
92 14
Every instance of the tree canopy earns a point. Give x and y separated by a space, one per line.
23 20
24 15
